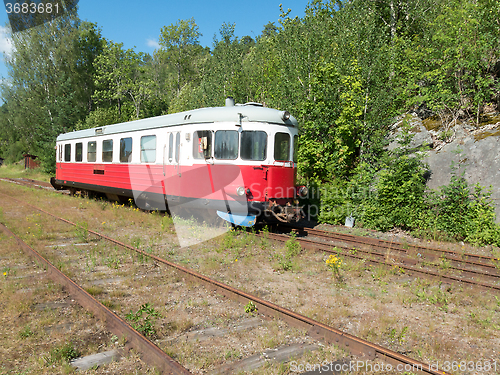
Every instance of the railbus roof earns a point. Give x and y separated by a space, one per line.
238 113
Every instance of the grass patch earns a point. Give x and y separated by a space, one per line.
62 353
94 290
17 170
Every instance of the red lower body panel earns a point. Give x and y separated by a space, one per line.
203 181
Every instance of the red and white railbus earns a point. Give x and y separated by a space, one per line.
239 160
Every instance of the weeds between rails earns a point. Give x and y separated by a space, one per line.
261 305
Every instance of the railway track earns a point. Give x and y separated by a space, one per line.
472 269
314 328
150 352
29 182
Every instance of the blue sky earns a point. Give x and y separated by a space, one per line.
138 23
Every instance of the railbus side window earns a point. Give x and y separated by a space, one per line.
107 150
202 144
226 144
253 145
67 152
177 146
170 147
148 149
125 150
60 153
282 146
91 151
79 151
295 147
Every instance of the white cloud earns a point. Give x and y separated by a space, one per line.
5 41
152 43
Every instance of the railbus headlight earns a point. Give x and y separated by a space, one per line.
285 116
302 191
240 191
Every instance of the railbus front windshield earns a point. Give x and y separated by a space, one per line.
282 147
226 144
253 145
247 144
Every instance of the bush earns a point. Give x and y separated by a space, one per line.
334 202
393 194
480 227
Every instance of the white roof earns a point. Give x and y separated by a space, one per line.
244 113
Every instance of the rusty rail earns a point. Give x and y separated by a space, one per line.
468 258
316 245
151 354
368 245
316 329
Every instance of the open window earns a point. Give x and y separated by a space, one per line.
202 145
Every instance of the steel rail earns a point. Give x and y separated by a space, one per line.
376 242
339 241
315 245
368 241
317 330
488 270
27 181
151 354
399 246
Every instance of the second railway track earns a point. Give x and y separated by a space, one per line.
472 269
315 329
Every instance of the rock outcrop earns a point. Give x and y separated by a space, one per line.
475 150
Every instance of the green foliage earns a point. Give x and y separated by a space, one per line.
446 66
121 75
62 353
462 212
399 194
383 195
344 70
393 194
292 246
292 249
179 49
101 117
251 308
398 337
14 151
26 332
331 134
143 320
45 92
82 231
